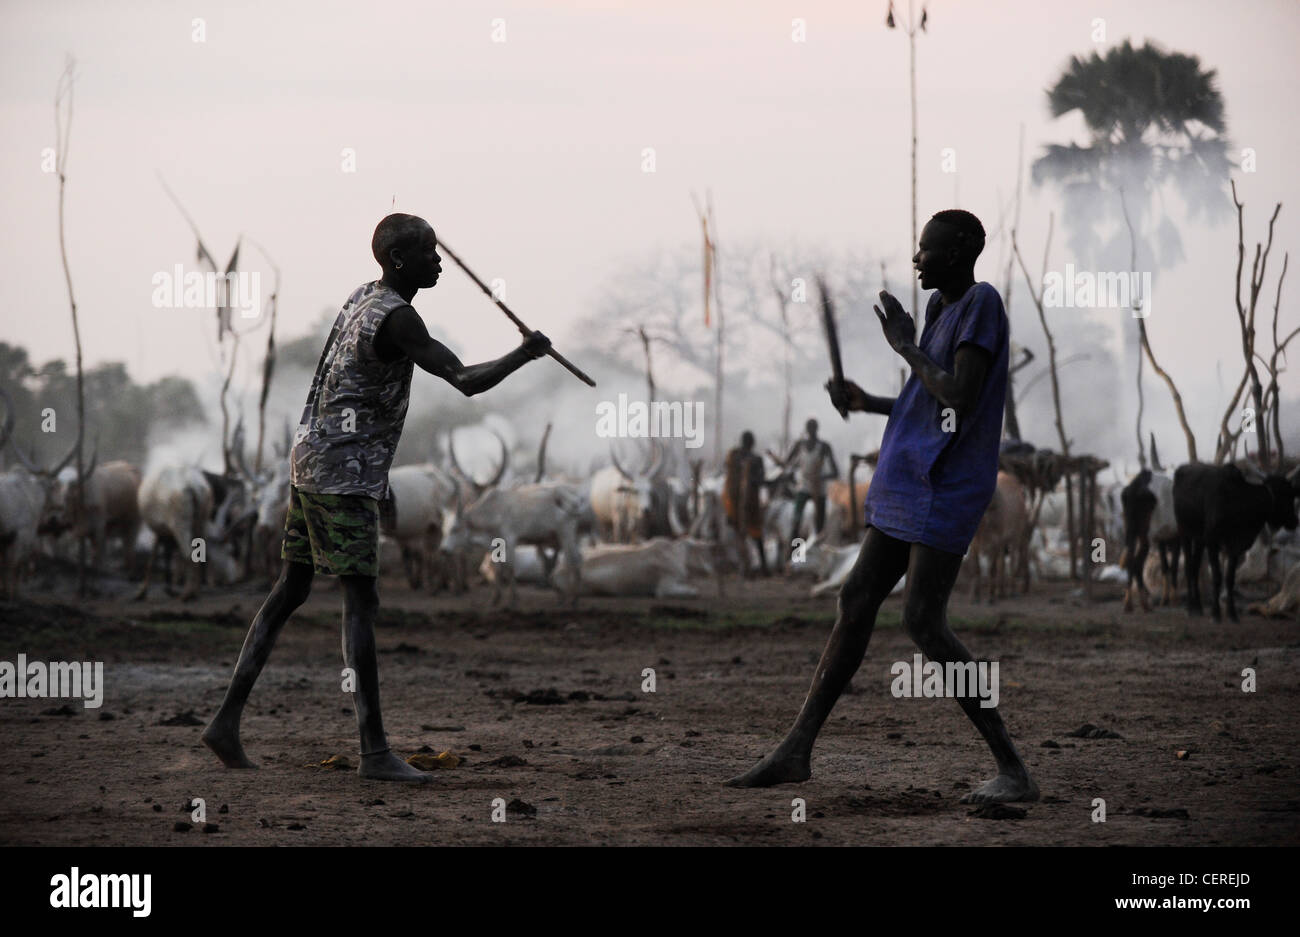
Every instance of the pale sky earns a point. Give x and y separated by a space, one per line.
526 155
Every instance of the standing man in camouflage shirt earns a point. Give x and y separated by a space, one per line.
339 474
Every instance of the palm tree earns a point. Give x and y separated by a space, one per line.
1155 120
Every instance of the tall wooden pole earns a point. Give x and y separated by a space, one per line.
63 133
911 43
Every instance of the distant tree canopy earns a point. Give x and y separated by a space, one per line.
1152 117
119 412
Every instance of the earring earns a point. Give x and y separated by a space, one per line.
397 265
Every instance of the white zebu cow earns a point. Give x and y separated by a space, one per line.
421 495
271 503
176 505
660 567
25 493
22 504
544 515
112 509
638 505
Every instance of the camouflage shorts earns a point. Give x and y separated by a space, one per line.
337 534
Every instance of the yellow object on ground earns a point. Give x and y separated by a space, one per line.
426 761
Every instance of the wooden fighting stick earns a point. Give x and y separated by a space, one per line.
525 330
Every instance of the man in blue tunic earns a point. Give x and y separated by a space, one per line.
936 475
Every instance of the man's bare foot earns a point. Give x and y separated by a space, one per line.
225 744
1004 789
385 766
774 769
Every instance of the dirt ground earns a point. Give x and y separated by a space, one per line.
545 706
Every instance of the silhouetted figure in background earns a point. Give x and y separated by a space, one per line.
741 499
812 464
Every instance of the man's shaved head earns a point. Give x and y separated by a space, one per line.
967 230
400 231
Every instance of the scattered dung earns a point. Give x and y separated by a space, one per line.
547 697
186 718
429 762
333 763
1090 731
520 808
1162 813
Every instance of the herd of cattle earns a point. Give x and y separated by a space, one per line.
629 530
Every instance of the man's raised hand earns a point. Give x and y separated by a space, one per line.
537 344
899 329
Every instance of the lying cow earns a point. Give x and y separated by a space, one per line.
841 563
1285 602
660 567
1218 508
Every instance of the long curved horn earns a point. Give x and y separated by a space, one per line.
63 463
541 454
455 463
1155 457
618 465
505 462
94 456
7 429
27 460
675 521
240 462
656 459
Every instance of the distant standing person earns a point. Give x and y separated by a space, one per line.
339 474
936 475
813 464
740 499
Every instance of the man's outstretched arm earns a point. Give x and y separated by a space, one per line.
960 389
852 397
404 333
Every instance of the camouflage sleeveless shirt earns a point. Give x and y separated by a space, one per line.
357 404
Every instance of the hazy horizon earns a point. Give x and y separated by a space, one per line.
526 156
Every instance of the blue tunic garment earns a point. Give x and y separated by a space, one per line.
932 486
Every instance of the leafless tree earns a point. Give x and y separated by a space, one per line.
1246 323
